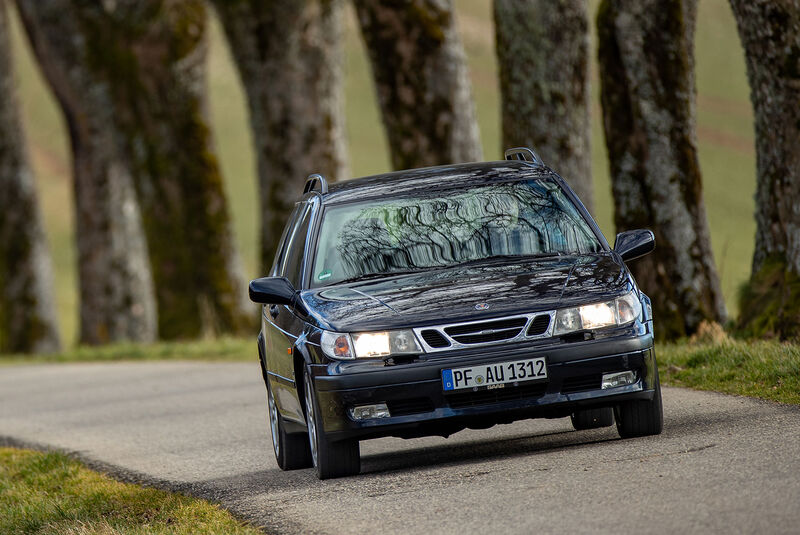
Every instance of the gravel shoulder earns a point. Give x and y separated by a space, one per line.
724 464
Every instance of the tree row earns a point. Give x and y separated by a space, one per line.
156 256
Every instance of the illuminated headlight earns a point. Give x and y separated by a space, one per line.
344 346
620 311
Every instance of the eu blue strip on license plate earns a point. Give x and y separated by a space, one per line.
495 375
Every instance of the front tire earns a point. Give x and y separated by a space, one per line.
331 459
291 449
592 418
639 418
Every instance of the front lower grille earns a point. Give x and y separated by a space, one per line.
581 383
403 407
499 395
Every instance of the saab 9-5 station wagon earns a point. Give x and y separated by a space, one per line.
427 301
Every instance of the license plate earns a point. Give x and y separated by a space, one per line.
487 376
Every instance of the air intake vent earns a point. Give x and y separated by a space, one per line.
581 384
403 407
434 338
539 325
487 397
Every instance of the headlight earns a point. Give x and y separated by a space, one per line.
620 311
344 346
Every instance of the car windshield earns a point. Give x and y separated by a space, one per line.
446 228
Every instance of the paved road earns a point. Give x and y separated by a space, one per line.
722 465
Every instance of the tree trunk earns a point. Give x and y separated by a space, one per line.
543 59
159 72
27 312
116 290
770 34
647 81
422 81
144 64
289 57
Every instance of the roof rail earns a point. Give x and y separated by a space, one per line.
523 154
316 182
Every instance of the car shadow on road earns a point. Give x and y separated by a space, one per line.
244 487
484 449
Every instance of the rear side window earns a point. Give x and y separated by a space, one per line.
280 253
292 263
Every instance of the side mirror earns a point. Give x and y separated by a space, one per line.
272 291
634 243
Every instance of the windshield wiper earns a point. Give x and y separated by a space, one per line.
384 275
505 257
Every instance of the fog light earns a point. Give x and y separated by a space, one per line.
368 412
610 380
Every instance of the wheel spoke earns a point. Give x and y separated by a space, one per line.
273 422
310 419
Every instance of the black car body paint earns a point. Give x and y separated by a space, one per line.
504 291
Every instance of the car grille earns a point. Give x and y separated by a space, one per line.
490 331
403 407
582 383
539 325
434 338
493 331
484 397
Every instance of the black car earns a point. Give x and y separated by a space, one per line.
427 301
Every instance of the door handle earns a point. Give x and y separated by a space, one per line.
273 310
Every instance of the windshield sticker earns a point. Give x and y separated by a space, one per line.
325 274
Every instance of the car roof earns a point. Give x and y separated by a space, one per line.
399 183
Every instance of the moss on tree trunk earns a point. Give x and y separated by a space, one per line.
144 68
647 82
289 57
770 35
115 284
27 312
154 55
422 81
543 60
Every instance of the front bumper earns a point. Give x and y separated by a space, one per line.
419 406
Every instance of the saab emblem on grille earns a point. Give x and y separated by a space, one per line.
482 306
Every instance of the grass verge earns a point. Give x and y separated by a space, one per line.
50 493
221 349
762 369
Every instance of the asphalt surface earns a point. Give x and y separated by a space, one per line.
723 464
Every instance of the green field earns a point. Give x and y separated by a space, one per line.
725 134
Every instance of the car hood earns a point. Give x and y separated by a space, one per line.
451 295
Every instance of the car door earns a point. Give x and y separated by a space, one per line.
282 323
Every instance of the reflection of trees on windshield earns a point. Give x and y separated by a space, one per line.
526 218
